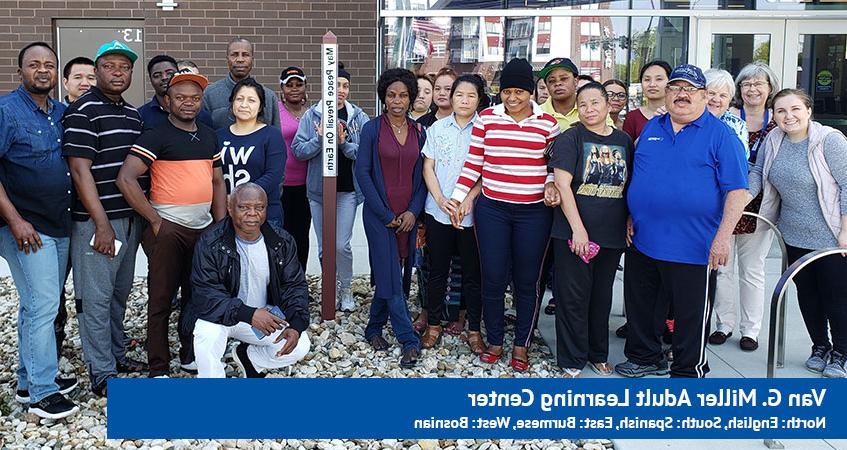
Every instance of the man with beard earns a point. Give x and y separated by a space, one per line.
688 190
100 128
35 189
239 60
187 193
160 69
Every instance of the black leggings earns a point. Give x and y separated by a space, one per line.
822 296
297 219
442 241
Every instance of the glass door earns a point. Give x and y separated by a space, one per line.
820 49
732 44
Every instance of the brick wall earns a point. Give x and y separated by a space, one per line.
284 33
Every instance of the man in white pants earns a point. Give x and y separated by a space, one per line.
248 285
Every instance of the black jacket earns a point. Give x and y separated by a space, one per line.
216 274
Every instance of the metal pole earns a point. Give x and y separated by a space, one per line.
329 125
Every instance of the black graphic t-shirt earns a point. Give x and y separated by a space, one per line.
601 166
345 164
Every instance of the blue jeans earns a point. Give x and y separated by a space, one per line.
511 237
382 310
345 210
38 278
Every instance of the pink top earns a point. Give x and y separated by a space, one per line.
295 170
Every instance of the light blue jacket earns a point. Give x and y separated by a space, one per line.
306 146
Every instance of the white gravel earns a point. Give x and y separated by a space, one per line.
338 350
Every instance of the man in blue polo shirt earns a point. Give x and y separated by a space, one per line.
35 200
688 190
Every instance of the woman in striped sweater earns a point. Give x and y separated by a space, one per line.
508 156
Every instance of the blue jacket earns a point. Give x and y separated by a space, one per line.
382 241
306 146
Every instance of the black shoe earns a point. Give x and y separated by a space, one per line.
54 406
621 331
748 344
631 369
66 385
243 362
719 337
550 309
409 358
100 389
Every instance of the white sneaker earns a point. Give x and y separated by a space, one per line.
348 303
190 367
162 376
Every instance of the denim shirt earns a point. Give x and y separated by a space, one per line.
33 173
447 143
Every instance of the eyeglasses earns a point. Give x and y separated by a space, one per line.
675 90
755 84
618 95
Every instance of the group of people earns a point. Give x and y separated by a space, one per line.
219 184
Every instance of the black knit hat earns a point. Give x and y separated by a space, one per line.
517 74
343 73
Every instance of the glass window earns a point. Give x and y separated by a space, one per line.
764 5
821 64
731 52
604 47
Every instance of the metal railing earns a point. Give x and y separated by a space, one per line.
777 324
779 292
778 305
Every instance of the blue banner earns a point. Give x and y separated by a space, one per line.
481 408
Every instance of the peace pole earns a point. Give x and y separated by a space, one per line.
329 121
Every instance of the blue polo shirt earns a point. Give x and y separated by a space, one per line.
153 114
33 173
679 184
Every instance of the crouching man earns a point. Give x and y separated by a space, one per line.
242 269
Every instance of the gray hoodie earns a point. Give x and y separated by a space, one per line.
216 101
307 146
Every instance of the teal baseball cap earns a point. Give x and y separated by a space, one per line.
117 48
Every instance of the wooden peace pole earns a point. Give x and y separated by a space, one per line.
329 121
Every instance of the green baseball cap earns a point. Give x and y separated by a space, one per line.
558 63
117 48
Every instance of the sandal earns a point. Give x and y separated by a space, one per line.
100 389
132 366
489 357
571 373
603 369
420 324
455 328
520 364
378 343
431 337
475 342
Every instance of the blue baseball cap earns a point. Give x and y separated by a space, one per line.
117 48
690 73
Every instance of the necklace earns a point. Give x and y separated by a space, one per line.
193 133
399 128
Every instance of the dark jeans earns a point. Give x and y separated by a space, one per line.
512 238
442 241
690 289
297 219
822 296
583 303
169 266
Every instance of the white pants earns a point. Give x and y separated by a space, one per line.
210 344
743 277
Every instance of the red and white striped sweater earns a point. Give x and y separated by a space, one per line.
510 156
